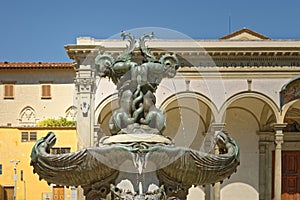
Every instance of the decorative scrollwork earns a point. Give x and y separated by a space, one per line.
126 55
145 50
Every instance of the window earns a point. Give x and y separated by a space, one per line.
46 91
32 136
24 136
8 91
28 136
27 116
60 150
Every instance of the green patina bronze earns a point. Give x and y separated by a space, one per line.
137 150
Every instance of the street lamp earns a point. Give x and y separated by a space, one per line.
15 162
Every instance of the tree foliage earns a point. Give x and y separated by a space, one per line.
62 121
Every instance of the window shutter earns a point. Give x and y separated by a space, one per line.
46 91
8 91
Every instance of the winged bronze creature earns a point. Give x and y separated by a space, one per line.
176 168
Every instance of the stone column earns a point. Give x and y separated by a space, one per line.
262 170
207 191
85 82
217 187
277 168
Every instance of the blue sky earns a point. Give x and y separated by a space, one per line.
37 30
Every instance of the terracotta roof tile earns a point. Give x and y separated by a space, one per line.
36 65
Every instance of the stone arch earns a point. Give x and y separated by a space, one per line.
290 116
104 111
246 110
27 116
188 116
244 115
103 103
71 113
273 108
290 105
190 94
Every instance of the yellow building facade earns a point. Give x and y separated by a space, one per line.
31 92
14 147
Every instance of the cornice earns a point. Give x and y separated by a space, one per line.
214 58
199 72
192 47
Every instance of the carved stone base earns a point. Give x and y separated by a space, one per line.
129 138
139 129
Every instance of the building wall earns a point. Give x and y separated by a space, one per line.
27 93
27 83
12 148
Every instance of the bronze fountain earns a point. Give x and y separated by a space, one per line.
137 150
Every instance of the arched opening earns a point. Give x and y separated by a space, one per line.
292 117
27 116
290 154
104 116
245 115
187 119
71 113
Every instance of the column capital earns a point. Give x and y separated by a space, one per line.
278 127
217 126
278 138
82 54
